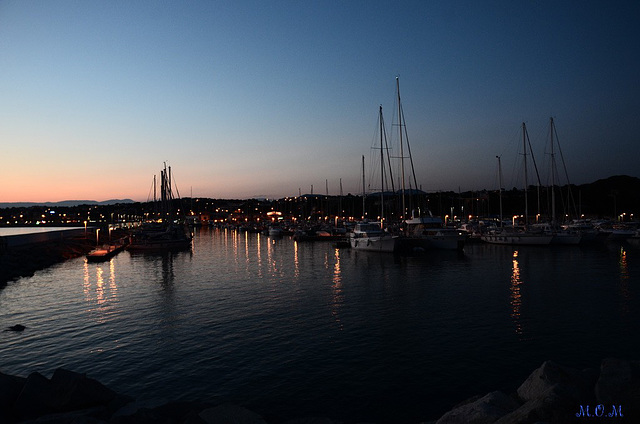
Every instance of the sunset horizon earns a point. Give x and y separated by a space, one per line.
249 99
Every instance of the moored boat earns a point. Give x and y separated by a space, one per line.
428 232
517 238
274 231
154 239
165 233
371 237
512 235
106 252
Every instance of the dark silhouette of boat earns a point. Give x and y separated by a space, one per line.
166 232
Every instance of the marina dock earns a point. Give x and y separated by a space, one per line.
108 251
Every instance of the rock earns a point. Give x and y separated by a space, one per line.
553 406
179 412
312 420
230 414
36 398
74 417
619 385
77 391
576 384
487 409
10 388
17 327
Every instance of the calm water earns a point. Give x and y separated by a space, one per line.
301 329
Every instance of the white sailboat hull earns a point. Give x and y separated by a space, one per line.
523 239
383 243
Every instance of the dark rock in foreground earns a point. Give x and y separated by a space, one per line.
67 392
552 394
556 394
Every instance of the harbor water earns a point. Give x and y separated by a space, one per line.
296 329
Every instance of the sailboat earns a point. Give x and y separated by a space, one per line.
560 236
425 230
163 234
372 236
512 235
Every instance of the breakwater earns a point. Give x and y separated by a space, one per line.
551 394
23 255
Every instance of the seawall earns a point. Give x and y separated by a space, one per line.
23 255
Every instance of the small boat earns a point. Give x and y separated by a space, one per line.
560 235
108 251
634 240
275 231
566 237
371 237
320 234
620 233
428 232
517 238
104 253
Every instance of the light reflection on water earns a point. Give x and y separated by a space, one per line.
625 290
337 299
286 327
516 296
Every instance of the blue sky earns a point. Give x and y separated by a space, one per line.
248 98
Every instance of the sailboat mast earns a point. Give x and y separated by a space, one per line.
364 191
155 198
553 176
163 202
326 186
169 195
401 147
381 172
340 203
500 190
526 201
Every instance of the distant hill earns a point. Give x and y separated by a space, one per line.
616 182
611 196
64 203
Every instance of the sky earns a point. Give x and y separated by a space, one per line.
268 98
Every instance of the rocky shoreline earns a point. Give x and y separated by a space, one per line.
551 394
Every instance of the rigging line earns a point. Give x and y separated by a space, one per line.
150 191
384 131
533 158
406 136
566 174
179 198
